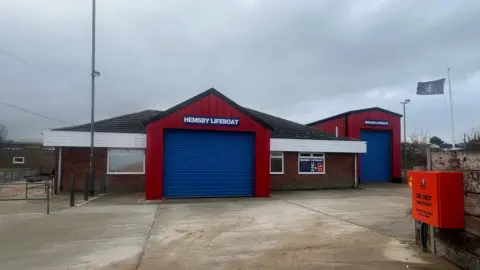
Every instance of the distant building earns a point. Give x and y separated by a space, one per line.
474 145
28 156
448 147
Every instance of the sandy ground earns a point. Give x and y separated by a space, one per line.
19 189
350 229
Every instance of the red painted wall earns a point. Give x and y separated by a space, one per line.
356 123
330 126
210 105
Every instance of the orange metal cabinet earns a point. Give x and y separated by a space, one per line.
437 198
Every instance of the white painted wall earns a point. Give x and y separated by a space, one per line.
136 140
102 139
323 146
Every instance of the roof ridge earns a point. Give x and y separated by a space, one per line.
352 112
281 128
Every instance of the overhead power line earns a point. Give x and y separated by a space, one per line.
46 71
34 113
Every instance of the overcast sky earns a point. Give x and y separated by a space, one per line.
301 60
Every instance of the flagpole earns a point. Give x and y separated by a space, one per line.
451 109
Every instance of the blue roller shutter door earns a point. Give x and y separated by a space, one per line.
375 165
208 164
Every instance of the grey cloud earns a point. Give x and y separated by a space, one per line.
290 58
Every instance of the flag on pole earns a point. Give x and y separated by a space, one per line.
431 87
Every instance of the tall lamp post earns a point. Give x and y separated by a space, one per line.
89 188
405 102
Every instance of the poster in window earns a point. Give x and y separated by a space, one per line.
311 165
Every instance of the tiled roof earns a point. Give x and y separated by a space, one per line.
128 123
352 112
136 122
285 129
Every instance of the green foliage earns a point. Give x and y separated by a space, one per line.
472 138
436 140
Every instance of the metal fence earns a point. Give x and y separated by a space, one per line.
28 186
32 188
12 175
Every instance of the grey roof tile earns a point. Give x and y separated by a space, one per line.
136 122
285 129
128 123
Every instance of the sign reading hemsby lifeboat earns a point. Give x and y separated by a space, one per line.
211 121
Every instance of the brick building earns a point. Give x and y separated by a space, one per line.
26 155
207 146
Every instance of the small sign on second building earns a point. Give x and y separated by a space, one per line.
376 123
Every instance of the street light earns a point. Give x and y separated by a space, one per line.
405 138
90 182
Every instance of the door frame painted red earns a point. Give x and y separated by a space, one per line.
211 106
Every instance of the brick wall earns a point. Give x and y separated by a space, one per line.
126 183
339 170
461 246
469 163
77 160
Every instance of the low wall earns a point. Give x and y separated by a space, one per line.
461 246
469 164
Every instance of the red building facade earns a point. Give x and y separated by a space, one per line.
351 124
210 105
206 146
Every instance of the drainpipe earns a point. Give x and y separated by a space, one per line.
336 131
355 175
59 171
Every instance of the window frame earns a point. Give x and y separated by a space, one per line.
311 155
282 157
125 173
17 162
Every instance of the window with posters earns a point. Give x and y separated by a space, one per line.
311 163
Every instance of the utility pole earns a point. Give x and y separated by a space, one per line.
94 73
405 137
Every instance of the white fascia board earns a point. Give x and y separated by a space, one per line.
138 140
322 146
101 139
